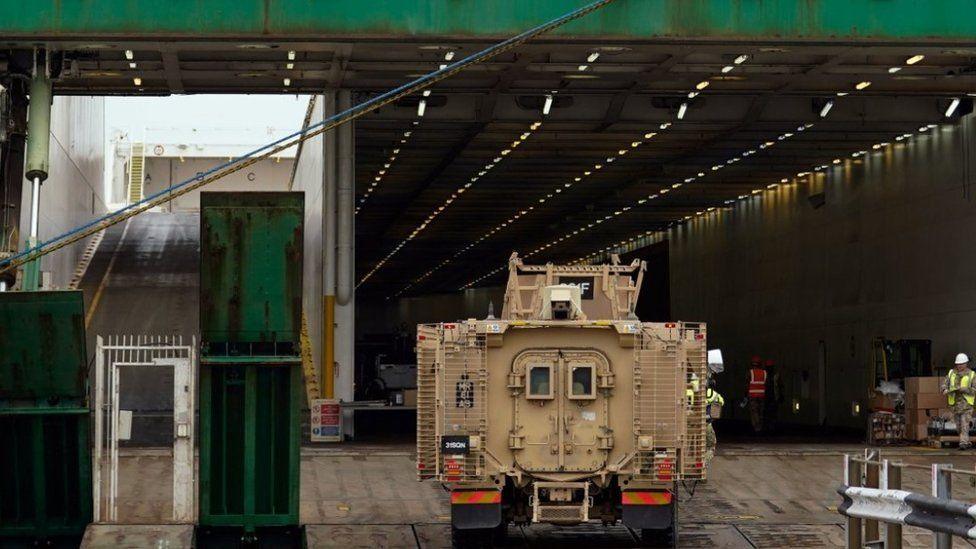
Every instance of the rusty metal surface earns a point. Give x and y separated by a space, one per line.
251 268
42 346
138 536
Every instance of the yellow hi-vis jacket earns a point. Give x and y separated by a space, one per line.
963 381
712 397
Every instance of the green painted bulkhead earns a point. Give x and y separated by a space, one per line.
46 488
260 20
250 386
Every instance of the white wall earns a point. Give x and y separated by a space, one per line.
309 179
267 175
890 254
73 192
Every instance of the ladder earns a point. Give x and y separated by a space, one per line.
137 171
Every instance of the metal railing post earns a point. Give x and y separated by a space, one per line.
872 532
852 477
891 480
942 489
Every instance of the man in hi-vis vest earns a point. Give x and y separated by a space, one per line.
959 391
756 392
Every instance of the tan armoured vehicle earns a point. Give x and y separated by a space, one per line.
565 410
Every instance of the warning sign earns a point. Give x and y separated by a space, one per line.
326 420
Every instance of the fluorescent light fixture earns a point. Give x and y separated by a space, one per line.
914 59
953 105
665 126
684 108
826 108
593 57
291 55
132 65
692 95
289 66
702 85
893 70
547 106
727 69
741 59
582 68
449 56
426 93
137 81
129 55
286 82
422 107
841 94
862 85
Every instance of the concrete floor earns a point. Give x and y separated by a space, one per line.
770 495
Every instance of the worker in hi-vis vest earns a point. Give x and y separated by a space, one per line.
959 389
757 394
713 402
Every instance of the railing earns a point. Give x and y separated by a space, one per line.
872 495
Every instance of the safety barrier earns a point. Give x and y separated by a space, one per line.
872 495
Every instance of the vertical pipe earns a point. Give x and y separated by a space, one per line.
344 206
327 375
942 489
872 479
891 480
38 144
852 477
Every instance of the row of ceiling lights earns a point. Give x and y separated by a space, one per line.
641 240
491 164
857 87
649 198
421 110
599 165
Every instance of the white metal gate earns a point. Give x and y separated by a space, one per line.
113 424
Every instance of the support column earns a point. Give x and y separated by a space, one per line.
38 145
329 165
345 265
12 150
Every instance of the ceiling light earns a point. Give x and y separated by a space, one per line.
582 68
449 56
692 95
137 81
841 94
649 135
665 126
684 108
862 85
132 65
286 82
826 108
289 66
914 59
952 107
426 93
291 55
129 55
893 70
741 59
702 85
727 69
547 106
421 107
593 57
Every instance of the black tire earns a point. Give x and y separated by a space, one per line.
480 538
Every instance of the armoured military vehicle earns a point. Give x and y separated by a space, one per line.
566 409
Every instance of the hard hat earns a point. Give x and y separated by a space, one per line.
961 358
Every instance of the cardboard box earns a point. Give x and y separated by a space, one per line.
915 415
881 401
917 431
409 397
921 401
915 385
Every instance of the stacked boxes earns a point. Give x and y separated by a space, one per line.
887 428
923 401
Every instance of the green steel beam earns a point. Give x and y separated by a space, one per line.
918 21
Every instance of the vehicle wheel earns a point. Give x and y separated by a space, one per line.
471 539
